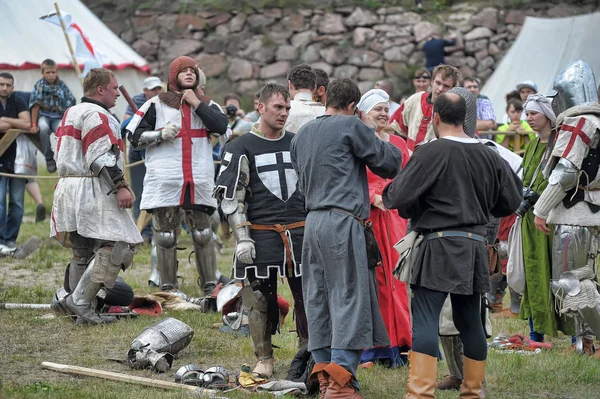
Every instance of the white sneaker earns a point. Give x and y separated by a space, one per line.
6 250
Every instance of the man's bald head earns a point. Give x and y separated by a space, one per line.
385 85
451 108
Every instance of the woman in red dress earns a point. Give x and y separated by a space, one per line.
389 228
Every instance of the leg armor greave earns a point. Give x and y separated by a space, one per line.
453 351
515 301
204 250
166 257
154 279
165 222
498 282
573 273
102 271
83 251
256 303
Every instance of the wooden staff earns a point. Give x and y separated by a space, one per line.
64 28
108 375
128 98
11 306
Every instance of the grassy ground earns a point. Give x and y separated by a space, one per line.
27 340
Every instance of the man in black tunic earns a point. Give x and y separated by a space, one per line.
448 189
258 191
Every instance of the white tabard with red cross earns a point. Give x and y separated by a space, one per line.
171 166
80 203
575 137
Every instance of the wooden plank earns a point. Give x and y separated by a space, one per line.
109 375
143 219
7 139
35 139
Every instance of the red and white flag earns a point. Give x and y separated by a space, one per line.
86 52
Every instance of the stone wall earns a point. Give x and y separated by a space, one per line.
240 52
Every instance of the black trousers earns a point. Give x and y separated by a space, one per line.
426 306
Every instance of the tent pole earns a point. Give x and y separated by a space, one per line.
64 28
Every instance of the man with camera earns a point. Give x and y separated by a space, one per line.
236 115
571 202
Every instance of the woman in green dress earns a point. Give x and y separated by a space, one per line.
537 304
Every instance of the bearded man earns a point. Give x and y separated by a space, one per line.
174 128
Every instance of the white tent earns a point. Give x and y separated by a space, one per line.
542 49
26 40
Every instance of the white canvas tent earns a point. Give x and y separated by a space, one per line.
26 40
542 49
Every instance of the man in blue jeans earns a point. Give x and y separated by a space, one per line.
14 114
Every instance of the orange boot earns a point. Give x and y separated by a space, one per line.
340 383
317 372
423 374
472 384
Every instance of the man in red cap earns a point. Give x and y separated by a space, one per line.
174 128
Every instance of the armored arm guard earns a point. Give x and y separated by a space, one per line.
148 139
564 177
105 167
234 208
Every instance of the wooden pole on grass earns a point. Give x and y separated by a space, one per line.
64 28
108 375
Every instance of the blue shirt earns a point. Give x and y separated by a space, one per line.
434 51
138 100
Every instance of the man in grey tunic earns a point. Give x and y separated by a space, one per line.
330 155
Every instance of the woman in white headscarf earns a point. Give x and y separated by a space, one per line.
389 228
537 246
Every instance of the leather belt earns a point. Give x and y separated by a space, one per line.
589 189
453 233
281 229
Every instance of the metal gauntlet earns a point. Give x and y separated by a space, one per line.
148 139
105 167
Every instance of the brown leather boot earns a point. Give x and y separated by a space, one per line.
449 383
340 383
474 371
317 372
423 373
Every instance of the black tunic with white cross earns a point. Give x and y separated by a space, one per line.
272 197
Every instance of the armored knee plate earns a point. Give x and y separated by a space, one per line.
105 269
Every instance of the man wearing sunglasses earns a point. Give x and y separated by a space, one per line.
422 80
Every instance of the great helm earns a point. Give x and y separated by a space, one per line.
574 85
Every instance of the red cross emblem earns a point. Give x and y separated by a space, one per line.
576 131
